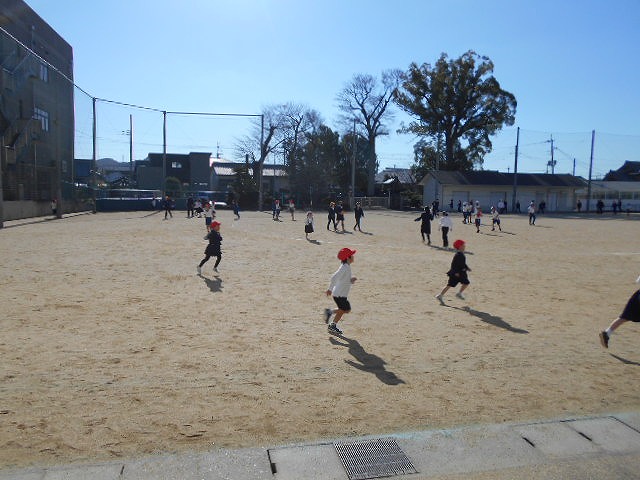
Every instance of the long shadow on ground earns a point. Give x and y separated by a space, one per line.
490 319
367 362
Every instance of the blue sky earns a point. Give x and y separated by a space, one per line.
572 65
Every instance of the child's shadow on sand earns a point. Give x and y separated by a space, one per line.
214 284
368 362
624 360
491 319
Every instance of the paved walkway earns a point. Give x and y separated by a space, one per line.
604 447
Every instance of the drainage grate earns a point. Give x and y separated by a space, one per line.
374 459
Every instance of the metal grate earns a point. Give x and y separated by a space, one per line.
374 459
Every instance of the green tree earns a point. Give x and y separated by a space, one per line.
244 187
173 187
345 163
459 100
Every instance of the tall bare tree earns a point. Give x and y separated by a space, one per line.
366 100
278 131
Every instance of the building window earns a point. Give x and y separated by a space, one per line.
44 73
43 117
176 165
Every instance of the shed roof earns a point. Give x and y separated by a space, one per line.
489 177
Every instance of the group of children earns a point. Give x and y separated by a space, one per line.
342 279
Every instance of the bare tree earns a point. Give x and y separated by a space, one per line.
365 100
279 130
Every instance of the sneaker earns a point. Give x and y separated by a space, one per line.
460 296
333 328
199 270
327 315
604 339
440 299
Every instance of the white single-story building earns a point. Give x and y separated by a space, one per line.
558 191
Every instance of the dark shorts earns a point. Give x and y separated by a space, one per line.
496 221
340 217
207 220
342 303
632 310
462 278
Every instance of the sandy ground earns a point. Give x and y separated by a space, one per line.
112 345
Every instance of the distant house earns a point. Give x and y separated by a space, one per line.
558 191
404 176
621 186
223 174
628 172
192 169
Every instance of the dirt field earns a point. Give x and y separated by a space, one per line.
112 345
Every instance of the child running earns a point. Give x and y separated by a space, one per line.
457 273
339 287
425 226
213 249
631 313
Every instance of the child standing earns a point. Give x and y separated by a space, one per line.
332 216
495 218
236 210
359 213
478 214
209 215
340 214
308 224
425 226
457 273
213 249
339 287
631 313
446 225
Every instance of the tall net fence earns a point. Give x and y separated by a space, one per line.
571 152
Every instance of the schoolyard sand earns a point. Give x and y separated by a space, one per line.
112 345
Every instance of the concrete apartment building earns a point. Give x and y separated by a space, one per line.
36 112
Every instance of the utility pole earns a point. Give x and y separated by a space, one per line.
353 167
94 160
515 174
593 137
164 154
131 146
552 162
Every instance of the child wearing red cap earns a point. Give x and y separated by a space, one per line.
213 249
339 287
457 273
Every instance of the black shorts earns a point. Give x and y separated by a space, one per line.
342 303
632 310
462 278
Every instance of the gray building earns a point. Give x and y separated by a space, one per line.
558 191
191 169
36 111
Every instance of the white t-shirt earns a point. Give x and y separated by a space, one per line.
341 281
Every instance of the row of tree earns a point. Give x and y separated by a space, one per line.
455 106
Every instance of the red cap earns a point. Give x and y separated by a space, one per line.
457 244
215 224
346 253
